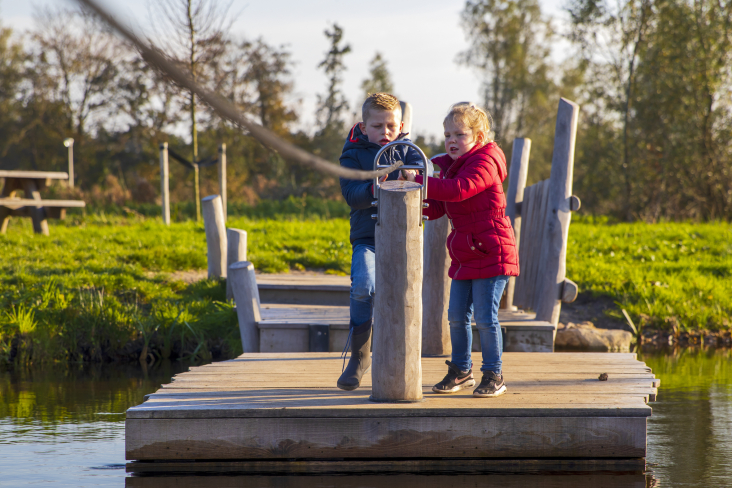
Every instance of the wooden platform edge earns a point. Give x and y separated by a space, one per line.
410 466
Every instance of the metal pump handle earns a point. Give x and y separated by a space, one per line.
424 166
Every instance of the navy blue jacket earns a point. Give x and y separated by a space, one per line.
359 153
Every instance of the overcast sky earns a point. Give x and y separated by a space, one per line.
419 39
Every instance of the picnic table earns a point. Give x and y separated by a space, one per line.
32 205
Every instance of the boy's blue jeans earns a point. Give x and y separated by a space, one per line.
363 276
484 296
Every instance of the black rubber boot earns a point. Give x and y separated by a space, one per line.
360 360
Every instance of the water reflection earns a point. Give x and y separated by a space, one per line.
65 426
690 432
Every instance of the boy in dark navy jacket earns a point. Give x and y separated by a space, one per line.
382 124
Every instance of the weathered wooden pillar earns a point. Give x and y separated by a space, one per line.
436 289
222 179
517 174
213 223
164 183
406 117
246 295
236 251
397 334
553 263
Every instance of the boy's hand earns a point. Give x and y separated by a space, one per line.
407 174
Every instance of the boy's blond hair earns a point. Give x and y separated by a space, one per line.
380 101
472 116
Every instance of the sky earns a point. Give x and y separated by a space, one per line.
420 40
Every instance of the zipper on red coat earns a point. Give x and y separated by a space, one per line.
452 227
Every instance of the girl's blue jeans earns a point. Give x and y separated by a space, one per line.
484 297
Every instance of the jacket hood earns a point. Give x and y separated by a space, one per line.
490 150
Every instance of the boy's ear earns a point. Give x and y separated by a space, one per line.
362 126
401 126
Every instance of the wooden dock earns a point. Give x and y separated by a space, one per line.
284 407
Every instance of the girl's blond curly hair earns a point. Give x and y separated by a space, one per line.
472 116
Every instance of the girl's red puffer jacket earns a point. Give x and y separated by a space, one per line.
470 191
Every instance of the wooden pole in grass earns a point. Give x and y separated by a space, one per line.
222 179
213 223
553 264
164 183
436 289
236 251
517 174
397 334
246 295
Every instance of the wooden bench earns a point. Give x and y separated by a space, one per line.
33 206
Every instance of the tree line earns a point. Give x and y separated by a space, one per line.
652 78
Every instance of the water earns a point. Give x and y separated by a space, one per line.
65 427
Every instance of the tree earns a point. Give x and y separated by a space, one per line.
199 37
380 80
268 70
82 59
12 60
509 47
333 104
614 35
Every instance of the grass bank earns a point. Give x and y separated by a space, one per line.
103 286
668 276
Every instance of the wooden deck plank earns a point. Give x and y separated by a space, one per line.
16 203
52 175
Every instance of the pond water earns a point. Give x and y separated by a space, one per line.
65 427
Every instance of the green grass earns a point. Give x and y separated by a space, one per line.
668 275
102 288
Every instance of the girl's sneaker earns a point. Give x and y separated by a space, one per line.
491 385
455 380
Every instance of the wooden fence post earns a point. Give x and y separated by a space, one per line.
236 251
246 295
517 174
213 223
222 179
397 334
436 289
164 183
553 263
406 117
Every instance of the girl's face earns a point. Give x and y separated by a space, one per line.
459 139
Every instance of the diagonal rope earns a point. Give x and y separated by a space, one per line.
226 110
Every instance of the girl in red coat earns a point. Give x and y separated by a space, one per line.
481 245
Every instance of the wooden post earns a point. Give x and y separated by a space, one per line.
553 263
236 251
213 223
517 174
246 295
436 289
406 117
397 334
69 143
222 179
164 183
